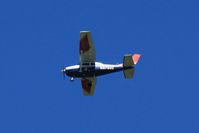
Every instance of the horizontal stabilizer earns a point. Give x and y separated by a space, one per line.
128 73
128 66
129 61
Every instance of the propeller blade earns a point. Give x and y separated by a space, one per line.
63 73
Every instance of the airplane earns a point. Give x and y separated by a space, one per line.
88 69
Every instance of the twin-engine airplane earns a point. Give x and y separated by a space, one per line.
89 69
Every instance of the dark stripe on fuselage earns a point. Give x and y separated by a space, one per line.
96 72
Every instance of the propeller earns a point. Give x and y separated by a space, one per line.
63 73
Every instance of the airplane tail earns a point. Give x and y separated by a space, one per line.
129 61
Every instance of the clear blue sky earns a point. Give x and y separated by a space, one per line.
39 37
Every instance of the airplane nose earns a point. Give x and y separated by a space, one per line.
64 72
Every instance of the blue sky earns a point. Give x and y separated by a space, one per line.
39 37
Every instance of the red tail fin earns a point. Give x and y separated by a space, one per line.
136 58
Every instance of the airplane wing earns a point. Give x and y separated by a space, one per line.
87 50
88 86
87 55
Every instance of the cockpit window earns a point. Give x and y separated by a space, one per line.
87 64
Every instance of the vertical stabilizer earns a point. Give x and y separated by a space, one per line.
136 58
